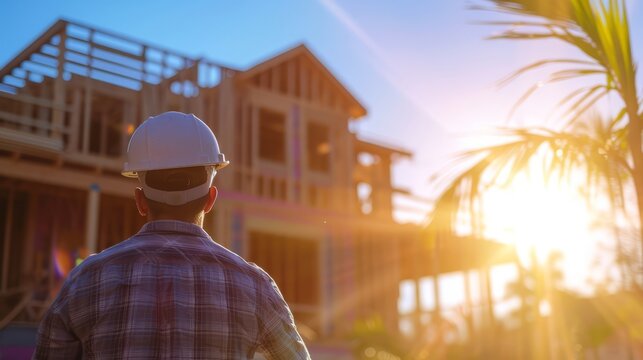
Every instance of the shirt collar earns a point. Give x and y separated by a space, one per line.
173 226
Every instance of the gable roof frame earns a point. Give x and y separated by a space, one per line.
303 50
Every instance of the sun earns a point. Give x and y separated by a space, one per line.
533 214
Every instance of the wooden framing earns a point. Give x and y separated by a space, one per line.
52 133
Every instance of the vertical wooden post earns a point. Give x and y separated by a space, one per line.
129 122
7 239
435 264
255 148
198 101
181 71
58 117
296 142
487 300
468 306
417 313
264 80
93 209
43 112
275 80
87 108
326 284
227 136
290 69
304 88
525 352
326 94
314 91
437 311
30 264
27 107
348 162
164 89
74 125
87 114
244 156
144 95
489 294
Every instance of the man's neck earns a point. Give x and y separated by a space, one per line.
198 221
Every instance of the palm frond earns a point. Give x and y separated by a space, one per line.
539 64
597 28
594 150
551 10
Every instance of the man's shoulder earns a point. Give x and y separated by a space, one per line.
242 264
94 261
135 250
241 267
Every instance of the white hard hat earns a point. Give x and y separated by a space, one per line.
173 140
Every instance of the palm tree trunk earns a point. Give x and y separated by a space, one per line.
638 185
634 142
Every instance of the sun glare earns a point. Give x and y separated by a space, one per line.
534 215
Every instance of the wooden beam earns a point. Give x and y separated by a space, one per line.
133 41
39 125
105 59
33 47
66 178
33 100
103 69
111 50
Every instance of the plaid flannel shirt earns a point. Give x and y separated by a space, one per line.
168 292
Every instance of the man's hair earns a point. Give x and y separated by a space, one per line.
177 180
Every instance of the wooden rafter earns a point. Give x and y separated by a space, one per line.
34 47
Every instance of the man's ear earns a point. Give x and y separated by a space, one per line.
212 197
141 202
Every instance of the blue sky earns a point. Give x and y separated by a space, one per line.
421 68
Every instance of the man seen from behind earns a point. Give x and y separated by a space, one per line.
170 291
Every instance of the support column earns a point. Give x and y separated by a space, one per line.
93 210
58 117
468 306
7 239
227 132
435 269
417 313
489 294
437 311
327 283
74 125
88 96
486 298
417 269
525 340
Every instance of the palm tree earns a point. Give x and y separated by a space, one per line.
609 151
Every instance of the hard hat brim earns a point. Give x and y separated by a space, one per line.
134 173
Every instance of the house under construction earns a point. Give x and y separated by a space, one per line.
304 198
